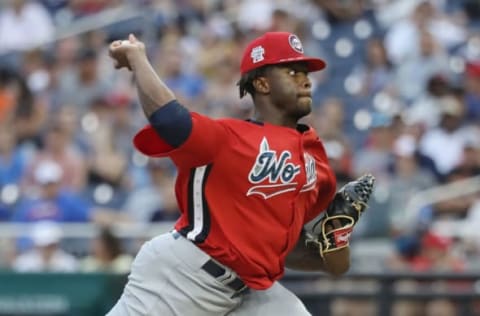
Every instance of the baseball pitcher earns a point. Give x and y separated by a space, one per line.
245 189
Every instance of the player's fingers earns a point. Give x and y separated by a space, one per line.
115 44
132 38
112 55
112 51
116 64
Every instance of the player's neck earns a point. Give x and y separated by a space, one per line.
274 118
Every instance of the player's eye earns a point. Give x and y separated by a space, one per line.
296 72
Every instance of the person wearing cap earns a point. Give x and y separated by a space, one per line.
245 190
46 255
51 200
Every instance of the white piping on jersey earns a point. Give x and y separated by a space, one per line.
198 220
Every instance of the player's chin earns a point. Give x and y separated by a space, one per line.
304 106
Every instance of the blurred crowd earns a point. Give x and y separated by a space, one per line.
400 98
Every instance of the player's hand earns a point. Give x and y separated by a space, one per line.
125 52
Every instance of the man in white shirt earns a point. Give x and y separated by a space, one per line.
46 256
24 25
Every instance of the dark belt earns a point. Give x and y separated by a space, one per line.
220 273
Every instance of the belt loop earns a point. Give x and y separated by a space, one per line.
225 276
241 291
175 234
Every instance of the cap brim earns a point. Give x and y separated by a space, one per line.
314 64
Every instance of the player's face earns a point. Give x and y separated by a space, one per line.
291 89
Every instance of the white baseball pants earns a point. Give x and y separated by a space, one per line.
167 279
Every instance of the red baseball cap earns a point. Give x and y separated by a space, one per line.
473 68
431 240
277 48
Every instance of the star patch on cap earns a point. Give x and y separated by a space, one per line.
295 43
257 54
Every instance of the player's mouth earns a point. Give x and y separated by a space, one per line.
305 95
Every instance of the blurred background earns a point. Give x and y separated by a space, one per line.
400 98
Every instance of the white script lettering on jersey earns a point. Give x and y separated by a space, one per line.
276 170
311 173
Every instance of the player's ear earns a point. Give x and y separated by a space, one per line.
261 85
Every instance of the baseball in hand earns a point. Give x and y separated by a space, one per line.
118 53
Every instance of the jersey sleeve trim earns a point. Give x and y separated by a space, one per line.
172 122
200 148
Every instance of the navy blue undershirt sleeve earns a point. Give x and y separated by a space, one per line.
172 122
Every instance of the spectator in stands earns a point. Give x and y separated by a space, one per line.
445 143
48 199
66 119
402 38
12 159
425 110
107 163
413 73
329 121
472 85
13 162
376 72
59 147
339 11
471 154
219 92
458 207
426 252
24 24
408 179
82 84
376 154
86 7
18 105
435 255
376 157
156 201
8 93
255 15
54 202
339 157
283 21
35 69
47 76
107 255
47 255
187 85
120 112
471 242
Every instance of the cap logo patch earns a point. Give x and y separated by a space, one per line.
257 54
295 43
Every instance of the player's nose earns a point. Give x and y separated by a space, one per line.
306 84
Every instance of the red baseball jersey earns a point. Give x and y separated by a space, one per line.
245 190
